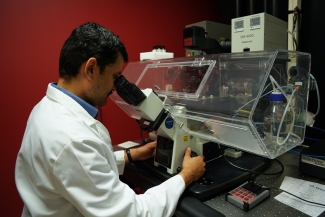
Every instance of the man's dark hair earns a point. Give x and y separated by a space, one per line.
86 41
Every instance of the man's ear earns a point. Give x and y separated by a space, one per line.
91 68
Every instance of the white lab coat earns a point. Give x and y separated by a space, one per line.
66 167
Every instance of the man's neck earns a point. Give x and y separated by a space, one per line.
71 86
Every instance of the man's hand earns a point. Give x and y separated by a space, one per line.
143 152
193 167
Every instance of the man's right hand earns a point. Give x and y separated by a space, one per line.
193 167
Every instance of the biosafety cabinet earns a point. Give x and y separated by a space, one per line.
223 97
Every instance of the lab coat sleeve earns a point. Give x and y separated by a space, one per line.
85 176
120 161
157 199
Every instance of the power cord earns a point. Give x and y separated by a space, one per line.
320 204
141 136
316 128
296 17
307 155
311 138
258 173
251 171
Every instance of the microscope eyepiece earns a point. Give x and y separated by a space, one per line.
129 92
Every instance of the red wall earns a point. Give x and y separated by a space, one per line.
32 33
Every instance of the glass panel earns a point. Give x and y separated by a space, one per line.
225 96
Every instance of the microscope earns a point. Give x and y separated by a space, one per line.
172 138
203 102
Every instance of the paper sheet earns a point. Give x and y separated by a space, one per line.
128 144
307 190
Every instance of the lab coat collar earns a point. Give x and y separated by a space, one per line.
70 104
93 111
75 108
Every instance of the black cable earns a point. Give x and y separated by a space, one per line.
296 16
141 136
294 41
254 172
299 25
316 128
295 196
277 173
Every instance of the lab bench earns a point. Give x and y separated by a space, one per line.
267 208
271 206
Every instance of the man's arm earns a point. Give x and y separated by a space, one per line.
141 153
192 167
86 176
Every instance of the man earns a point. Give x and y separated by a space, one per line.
66 165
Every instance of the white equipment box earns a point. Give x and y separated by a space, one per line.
258 32
155 55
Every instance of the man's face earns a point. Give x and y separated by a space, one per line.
104 84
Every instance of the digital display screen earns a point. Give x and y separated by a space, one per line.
239 24
256 21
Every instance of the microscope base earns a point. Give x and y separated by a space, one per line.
219 176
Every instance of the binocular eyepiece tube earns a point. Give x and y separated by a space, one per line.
129 92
